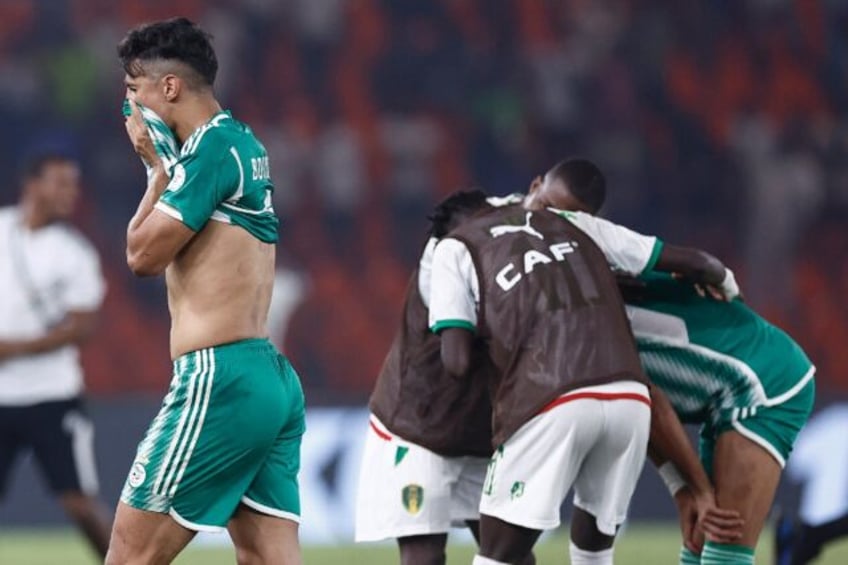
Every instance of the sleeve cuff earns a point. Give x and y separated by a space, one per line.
463 324
655 256
172 212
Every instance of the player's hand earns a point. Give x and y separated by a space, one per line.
687 512
140 137
721 525
726 291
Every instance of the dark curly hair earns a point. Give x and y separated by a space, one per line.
449 212
177 39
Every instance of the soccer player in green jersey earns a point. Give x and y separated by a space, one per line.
721 365
224 449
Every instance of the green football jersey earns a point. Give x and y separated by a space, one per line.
716 361
222 174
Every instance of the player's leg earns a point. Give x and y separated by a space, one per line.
62 439
745 477
503 542
746 465
263 539
608 477
143 537
264 528
474 527
423 550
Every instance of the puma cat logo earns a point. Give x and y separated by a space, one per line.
498 231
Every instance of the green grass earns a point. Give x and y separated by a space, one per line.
639 545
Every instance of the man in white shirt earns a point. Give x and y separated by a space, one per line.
51 288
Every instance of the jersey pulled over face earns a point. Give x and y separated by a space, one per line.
541 294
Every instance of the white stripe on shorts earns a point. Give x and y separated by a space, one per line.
198 368
196 403
210 376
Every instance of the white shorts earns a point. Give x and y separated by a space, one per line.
594 438
407 490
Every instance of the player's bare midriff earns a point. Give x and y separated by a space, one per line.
219 288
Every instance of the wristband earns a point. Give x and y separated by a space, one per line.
729 286
671 477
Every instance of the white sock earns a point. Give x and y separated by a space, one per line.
480 560
583 557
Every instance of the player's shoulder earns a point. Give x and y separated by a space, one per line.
220 133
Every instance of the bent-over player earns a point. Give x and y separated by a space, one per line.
721 364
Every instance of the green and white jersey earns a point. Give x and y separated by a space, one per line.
222 174
716 361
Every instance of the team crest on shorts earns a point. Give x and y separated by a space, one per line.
413 497
137 475
517 489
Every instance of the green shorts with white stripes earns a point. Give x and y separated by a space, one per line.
773 427
228 432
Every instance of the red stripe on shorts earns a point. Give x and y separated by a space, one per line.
596 396
380 433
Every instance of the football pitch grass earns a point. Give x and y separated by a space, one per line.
638 545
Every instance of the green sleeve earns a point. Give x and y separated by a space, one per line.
655 256
444 324
201 181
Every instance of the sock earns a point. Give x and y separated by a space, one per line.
724 554
583 557
689 558
480 560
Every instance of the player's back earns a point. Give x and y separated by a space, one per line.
707 353
219 285
549 310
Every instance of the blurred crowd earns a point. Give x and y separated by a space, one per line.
720 124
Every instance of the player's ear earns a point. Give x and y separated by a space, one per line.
535 184
171 87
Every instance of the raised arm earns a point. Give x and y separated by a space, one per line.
153 238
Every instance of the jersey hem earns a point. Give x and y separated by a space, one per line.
455 323
291 516
770 449
172 212
191 525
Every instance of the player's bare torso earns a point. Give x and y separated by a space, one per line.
219 288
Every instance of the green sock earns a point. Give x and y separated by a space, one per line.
689 558
726 554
